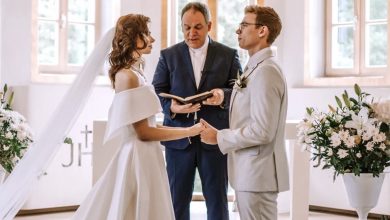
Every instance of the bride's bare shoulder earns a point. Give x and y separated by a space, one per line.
125 79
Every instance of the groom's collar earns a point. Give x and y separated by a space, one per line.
260 56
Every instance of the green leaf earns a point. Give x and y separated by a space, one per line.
354 101
11 99
358 91
384 127
327 166
346 93
5 88
68 140
339 103
346 100
309 110
366 105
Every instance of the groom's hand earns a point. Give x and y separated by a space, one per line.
209 134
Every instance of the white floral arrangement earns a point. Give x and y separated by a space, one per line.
15 134
351 138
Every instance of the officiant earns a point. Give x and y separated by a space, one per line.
193 66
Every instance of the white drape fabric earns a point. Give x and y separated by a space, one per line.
17 187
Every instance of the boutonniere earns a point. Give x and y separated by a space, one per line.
240 82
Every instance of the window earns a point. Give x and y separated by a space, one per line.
65 34
229 14
357 38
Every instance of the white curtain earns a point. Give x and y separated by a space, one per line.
16 189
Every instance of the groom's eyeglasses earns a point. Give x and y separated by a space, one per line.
243 25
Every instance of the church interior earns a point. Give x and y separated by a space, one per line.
39 66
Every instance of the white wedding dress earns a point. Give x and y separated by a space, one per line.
135 184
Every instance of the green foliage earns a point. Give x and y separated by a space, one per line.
5 101
68 140
348 139
15 134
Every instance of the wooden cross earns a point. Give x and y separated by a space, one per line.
86 132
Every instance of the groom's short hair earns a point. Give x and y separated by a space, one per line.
266 16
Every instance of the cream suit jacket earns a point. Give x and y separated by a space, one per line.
255 143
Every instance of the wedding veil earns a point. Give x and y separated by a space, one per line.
16 189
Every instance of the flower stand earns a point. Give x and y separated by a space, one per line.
363 192
3 174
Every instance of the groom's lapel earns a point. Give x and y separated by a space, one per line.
234 93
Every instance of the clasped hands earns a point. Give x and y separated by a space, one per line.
208 134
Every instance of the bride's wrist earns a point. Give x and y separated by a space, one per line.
191 132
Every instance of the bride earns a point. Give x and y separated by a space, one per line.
135 184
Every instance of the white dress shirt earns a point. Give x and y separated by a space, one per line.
198 57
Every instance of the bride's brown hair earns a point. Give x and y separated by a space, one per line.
128 29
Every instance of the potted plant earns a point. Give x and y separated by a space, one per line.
15 134
353 140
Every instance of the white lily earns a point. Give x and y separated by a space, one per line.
360 122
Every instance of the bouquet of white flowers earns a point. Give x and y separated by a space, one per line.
15 134
350 138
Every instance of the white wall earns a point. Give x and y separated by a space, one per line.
16 43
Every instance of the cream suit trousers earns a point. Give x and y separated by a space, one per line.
257 205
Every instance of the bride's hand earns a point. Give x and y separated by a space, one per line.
196 129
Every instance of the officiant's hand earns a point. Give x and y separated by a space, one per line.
209 134
176 107
216 99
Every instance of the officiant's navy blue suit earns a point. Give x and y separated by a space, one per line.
174 74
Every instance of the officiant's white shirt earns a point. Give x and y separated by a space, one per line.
198 57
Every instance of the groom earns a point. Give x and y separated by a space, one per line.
196 65
257 161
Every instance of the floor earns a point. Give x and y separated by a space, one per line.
198 212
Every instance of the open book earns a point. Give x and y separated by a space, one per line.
190 99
